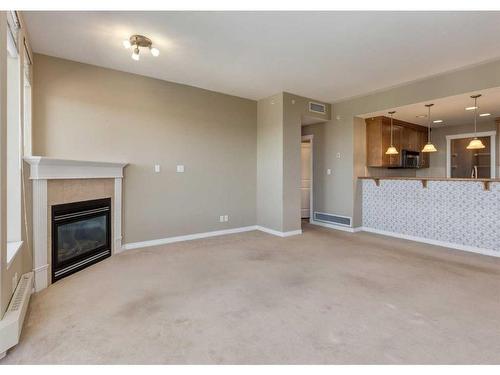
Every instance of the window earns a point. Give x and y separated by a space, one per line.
14 134
27 104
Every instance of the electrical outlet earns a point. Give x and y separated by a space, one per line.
338 155
180 169
157 168
226 217
328 171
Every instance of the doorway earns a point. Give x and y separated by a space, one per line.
464 163
306 177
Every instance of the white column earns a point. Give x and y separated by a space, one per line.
40 261
117 228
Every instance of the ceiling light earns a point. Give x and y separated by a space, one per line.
391 150
437 121
421 116
470 108
429 147
155 51
484 114
140 41
476 143
135 54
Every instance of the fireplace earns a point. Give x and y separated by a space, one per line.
81 235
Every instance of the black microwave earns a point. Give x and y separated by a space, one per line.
410 159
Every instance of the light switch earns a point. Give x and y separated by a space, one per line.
221 218
180 169
226 218
328 171
338 155
157 168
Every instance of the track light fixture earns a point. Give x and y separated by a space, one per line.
140 41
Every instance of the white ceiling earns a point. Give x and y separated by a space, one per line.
450 109
322 55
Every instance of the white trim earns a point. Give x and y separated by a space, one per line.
188 237
117 217
310 138
343 228
429 241
278 233
51 168
40 228
196 236
492 134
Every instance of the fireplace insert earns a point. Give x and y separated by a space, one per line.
81 235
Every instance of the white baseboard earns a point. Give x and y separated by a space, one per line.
41 277
196 236
278 233
188 237
337 227
429 241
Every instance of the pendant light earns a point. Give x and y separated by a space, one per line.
391 150
429 147
476 143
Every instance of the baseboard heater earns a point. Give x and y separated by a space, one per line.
344 221
12 322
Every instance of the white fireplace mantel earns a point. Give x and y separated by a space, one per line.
44 168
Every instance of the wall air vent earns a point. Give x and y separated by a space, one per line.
317 107
344 221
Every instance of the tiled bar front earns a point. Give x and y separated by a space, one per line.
447 212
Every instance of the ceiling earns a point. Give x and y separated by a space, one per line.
323 55
450 109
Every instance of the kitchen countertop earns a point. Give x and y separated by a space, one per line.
486 181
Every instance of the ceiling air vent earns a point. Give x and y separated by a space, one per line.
317 107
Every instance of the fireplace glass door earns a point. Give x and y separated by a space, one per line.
81 235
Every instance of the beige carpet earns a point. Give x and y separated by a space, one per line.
252 298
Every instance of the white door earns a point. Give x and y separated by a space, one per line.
306 181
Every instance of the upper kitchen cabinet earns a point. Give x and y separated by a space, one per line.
406 136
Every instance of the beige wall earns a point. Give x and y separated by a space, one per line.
270 162
294 109
91 113
332 193
278 154
338 189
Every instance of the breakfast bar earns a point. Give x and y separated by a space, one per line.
453 212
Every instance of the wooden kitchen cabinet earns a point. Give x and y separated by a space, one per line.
411 139
406 136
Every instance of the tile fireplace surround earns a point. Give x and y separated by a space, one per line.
78 180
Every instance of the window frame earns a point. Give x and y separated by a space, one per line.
14 210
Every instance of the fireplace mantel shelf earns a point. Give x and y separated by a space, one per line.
46 168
